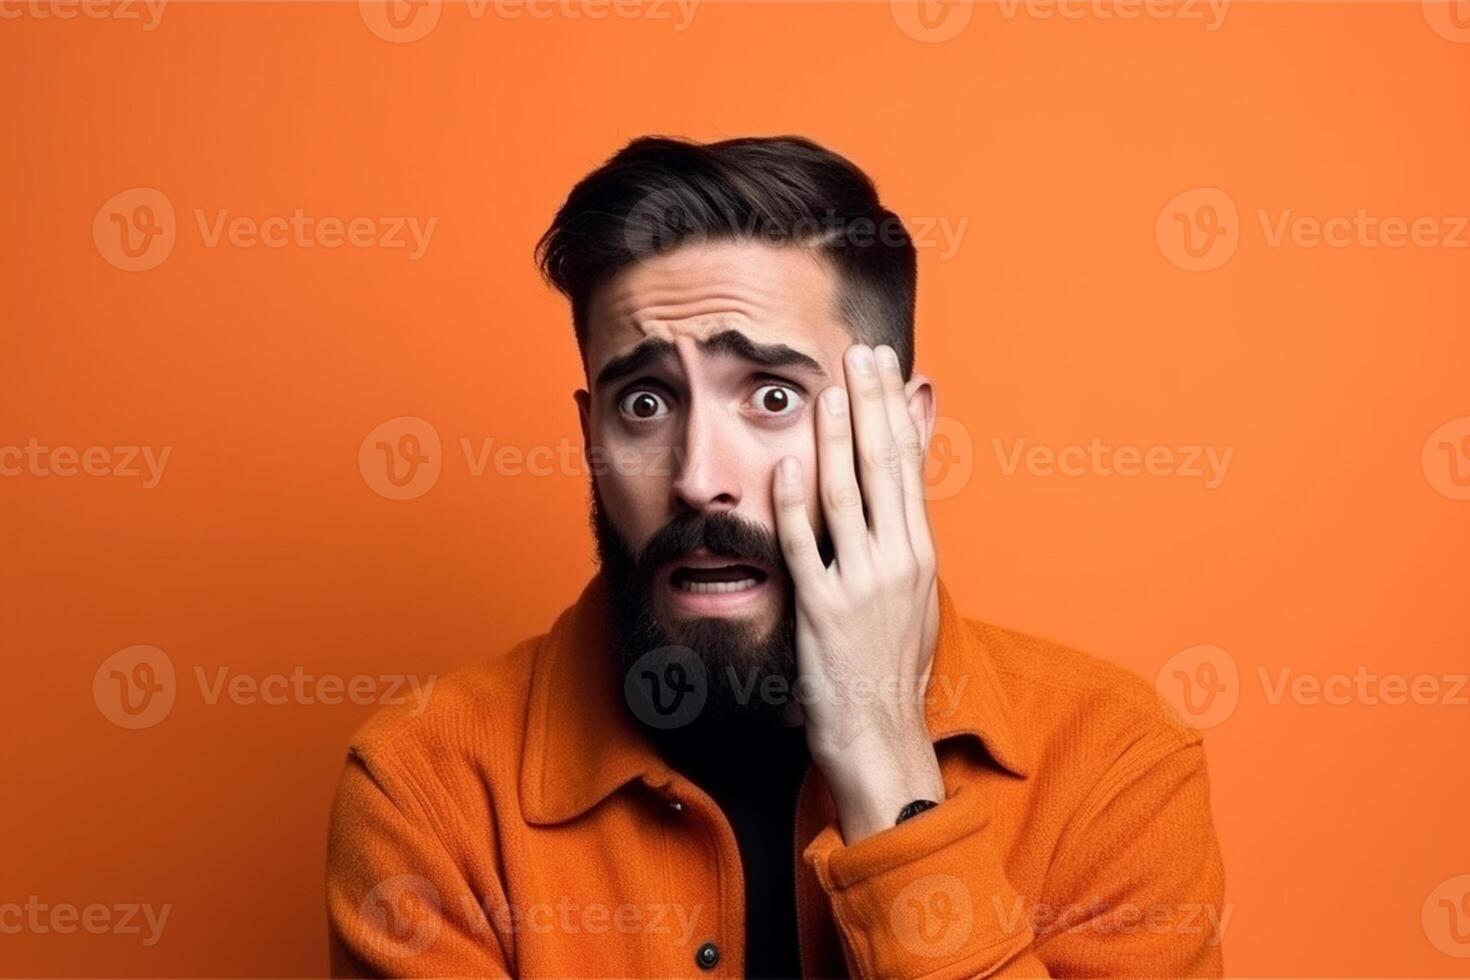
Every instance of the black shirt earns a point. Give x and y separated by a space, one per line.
754 774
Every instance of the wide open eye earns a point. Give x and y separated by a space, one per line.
642 404
776 399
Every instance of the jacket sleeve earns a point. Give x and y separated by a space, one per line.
1135 887
397 904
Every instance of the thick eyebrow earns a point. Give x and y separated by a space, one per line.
770 355
647 352
725 342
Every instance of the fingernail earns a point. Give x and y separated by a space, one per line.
788 469
836 401
887 359
862 359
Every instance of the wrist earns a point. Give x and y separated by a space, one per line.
871 784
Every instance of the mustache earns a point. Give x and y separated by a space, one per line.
722 534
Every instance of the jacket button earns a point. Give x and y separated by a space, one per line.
707 956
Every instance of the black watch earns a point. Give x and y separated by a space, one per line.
914 809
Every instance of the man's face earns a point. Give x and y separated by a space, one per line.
704 367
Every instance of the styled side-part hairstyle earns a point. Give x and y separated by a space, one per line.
658 193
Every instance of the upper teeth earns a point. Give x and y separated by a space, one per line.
739 586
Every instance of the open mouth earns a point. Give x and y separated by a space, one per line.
716 579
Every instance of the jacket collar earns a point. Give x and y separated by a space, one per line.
582 744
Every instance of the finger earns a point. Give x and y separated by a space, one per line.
794 528
842 499
908 436
879 463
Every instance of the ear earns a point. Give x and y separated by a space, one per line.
923 404
584 416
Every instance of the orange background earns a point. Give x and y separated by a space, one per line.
1060 318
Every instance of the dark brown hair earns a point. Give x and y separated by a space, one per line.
657 193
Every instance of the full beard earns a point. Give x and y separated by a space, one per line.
745 677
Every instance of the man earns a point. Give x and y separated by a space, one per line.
763 742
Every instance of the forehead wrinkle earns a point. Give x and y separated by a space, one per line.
701 299
739 288
639 305
701 319
641 325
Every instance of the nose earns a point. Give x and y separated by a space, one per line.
707 470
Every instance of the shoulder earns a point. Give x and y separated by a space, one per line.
472 717
1068 702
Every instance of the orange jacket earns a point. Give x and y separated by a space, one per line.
521 825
